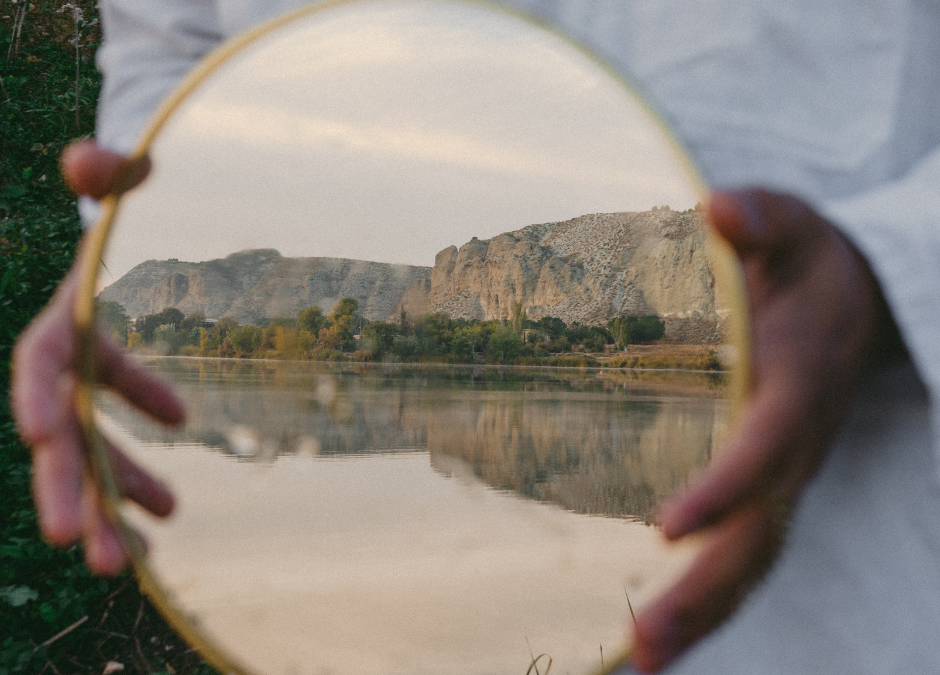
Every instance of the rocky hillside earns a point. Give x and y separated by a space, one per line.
588 269
251 285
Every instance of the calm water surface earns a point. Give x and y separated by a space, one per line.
418 519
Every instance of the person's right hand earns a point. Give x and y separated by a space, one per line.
819 323
43 389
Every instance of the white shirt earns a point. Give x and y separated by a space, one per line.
833 101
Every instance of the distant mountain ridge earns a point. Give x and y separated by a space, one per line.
588 269
254 284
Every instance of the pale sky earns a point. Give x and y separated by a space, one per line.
389 132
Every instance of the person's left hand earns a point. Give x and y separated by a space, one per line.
44 378
818 321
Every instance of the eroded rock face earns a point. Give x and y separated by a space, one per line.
251 285
589 269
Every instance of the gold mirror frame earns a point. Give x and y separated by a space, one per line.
727 269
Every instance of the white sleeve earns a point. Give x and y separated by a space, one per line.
148 47
896 226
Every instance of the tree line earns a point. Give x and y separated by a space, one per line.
344 334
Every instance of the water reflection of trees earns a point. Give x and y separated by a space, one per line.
588 443
611 457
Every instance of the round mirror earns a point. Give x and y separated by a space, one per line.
437 291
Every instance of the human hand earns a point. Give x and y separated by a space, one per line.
43 390
818 321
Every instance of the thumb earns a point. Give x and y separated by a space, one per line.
96 172
757 220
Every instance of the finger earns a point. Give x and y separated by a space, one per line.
42 397
104 551
96 172
738 554
144 391
749 465
42 355
760 220
58 466
139 486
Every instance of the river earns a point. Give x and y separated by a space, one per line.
417 519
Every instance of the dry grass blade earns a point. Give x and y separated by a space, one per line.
535 660
534 664
630 606
144 664
63 633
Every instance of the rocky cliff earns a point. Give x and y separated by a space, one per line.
250 285
588 269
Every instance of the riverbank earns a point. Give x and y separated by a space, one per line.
692 358
665 357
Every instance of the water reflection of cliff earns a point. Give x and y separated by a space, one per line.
592 456
588 443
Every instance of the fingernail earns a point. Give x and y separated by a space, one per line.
58 528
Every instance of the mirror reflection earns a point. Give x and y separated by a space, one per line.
450 516
436 290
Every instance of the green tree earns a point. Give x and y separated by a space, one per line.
311 319
112 315
465 342
328 338
146 325
405 347
404 325
192 321
595 342
560 344
433 333
629 330
343 319
504 345
165 338
171 317
519 317
225 325
135 341
551 325
345 307
379 335
209 342
245 340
